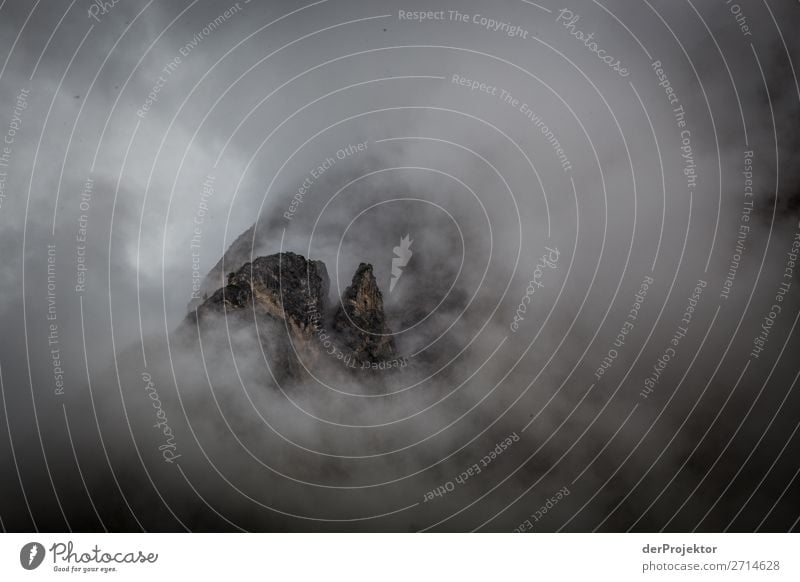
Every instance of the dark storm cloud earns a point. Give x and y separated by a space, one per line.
141 222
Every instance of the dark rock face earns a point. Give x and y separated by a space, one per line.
285 296
285 286
360 320
279 296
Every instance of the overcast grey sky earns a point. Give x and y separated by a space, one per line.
644 141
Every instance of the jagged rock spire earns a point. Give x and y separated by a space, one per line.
287 295
360 319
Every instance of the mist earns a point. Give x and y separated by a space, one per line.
596 263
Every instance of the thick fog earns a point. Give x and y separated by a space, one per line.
597 307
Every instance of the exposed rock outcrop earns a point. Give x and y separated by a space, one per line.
360 320
285 286
285 297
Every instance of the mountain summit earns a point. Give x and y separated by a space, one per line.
360 320
284 296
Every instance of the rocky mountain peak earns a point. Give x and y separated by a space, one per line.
361 321
285 286
287 295
363 295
